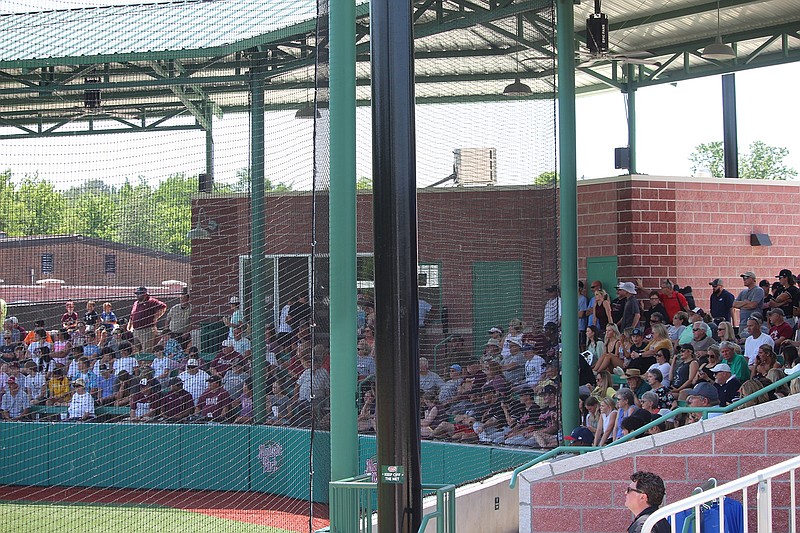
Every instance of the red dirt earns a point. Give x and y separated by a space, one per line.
253 507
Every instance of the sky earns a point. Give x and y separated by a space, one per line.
671 122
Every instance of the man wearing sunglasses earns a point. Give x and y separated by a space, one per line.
642 497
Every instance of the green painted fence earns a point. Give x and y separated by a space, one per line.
210 457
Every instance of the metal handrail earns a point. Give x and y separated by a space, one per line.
445 513
436 348
633 434
361 521
762 478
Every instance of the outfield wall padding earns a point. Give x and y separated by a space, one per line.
210 457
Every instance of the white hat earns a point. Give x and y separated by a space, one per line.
721 367
192 362
227 342
234 300
627 286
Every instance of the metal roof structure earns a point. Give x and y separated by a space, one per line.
157 63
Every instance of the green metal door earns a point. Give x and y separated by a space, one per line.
496 297
603 269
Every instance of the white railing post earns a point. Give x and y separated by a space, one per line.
764 506
761 480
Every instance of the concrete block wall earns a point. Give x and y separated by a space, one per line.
587 493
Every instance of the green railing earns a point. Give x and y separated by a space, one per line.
436 350
353 502
632 435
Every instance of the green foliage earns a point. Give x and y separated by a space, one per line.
762 162
548 178
156 217
242 184
363 183
138 214
38 208
765 162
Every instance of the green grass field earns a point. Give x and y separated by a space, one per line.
60 518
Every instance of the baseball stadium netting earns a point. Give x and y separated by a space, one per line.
164 255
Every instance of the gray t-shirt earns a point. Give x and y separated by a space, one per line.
430 381
630 310
701 346
756 294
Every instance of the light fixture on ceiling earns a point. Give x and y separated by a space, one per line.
718 50
199 233
517 88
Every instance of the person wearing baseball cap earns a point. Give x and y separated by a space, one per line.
749 300
580 436
195 380
15 404
789 299
145 314
236 318
726 383
721 301
214 404
704 394
81 407
626 292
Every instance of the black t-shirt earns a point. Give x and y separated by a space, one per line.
91 318
585 372
527 416
794 301
642 363
617 308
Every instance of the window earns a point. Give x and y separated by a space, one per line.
47 263
110 263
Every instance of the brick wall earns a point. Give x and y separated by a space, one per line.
690 230
79 261
587 493
456 227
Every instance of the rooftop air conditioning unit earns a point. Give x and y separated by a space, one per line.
476 166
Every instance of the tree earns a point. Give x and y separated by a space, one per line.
363 183
39 207
762 162
7 209
242 184
548 179
765 162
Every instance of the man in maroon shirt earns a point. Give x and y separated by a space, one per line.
177 404
215 402
145 403
779 330
144 315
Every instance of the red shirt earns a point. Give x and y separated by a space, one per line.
784 330
175 403
222 363
673 303
213 401
145 314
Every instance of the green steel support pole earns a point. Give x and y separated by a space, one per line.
631 119
344 414
565 32
258 243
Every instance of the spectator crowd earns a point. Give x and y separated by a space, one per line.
640 358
